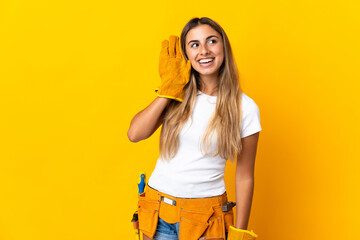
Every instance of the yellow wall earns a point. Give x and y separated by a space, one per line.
73 74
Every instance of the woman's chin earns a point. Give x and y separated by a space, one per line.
207 73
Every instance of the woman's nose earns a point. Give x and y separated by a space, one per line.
204 50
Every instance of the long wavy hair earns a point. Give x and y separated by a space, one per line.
226 119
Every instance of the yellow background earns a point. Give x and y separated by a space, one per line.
74 73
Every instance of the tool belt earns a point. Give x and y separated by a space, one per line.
199 218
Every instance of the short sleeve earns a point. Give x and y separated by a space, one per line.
250 122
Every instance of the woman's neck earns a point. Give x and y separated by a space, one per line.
209 85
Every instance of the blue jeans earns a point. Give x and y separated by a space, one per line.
166 231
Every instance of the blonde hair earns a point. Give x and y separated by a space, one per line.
226 118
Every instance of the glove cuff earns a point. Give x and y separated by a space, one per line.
241 234
164 95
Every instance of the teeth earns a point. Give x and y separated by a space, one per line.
206 60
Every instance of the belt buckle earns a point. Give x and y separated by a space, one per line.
168 200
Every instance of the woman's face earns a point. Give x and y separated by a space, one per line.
203 42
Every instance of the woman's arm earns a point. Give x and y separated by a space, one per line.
244 180
147 121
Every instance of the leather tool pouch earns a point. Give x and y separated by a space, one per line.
193 224
213 224
197 221
148 213
218 224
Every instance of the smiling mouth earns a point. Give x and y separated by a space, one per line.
208 60
206 63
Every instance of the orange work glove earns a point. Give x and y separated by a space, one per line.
173 69
240 234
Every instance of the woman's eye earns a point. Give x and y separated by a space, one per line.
210 40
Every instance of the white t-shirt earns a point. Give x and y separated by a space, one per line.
190 174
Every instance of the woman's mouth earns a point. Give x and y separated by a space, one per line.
206 62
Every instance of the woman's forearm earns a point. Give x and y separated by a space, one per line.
145 122
244 193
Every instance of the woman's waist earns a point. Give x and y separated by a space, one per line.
192 202
187 189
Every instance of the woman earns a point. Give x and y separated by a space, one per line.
201 107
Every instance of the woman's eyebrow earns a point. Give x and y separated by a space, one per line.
206 39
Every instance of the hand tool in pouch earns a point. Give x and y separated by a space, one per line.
141 186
